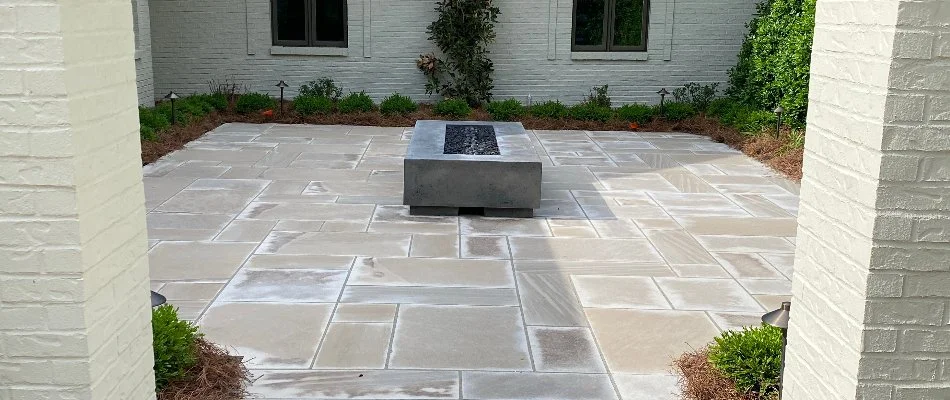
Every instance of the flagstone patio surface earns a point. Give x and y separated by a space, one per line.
289 244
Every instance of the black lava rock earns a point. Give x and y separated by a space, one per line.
471 140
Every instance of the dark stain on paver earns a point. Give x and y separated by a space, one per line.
276 240
258 209
562 347
286 278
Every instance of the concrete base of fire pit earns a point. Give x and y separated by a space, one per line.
504 185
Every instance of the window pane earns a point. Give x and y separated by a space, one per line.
331 20
589 23
628 23
291 19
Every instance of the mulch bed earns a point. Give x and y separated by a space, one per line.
768 150
699 380
216 376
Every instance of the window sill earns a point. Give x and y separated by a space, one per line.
309 51
610 56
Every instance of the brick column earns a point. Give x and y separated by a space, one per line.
74 308
872 271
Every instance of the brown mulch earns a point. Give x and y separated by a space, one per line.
216 376
699 380
768 150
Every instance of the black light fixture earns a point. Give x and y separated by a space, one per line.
172 96
778 119
282 85
157 299
662 92
779 319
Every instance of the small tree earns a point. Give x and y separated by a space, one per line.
463 31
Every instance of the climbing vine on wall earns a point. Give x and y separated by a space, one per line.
463 31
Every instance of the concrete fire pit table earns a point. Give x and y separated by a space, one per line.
488 168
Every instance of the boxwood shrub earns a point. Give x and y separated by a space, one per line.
173 343
752 358
590 112
676 111
151 123
638 113
549 109
457 108
253 102
507 110
310 104
397 104
356 102
740 116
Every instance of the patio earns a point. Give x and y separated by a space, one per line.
289 243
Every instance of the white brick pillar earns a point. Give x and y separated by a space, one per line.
74 308
872 271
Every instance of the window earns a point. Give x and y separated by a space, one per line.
610 25
313 23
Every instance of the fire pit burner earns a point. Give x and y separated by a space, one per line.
471 140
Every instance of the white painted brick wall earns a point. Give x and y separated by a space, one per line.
74 308
194 42
143 53
871 291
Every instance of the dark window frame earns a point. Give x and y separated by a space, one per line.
311 28
609 22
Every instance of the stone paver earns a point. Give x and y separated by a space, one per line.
289 244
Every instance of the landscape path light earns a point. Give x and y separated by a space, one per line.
172 96
282 85
778 119
662 92
157 299
779 319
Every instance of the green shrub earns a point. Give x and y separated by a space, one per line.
397 104
740 116
173 342
508 110
775 58
638 113
598 96
253 102
323 87
457 108
151 123
310 104
212 101
356 102
590 112
752 358
696 95
548 109
675 111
